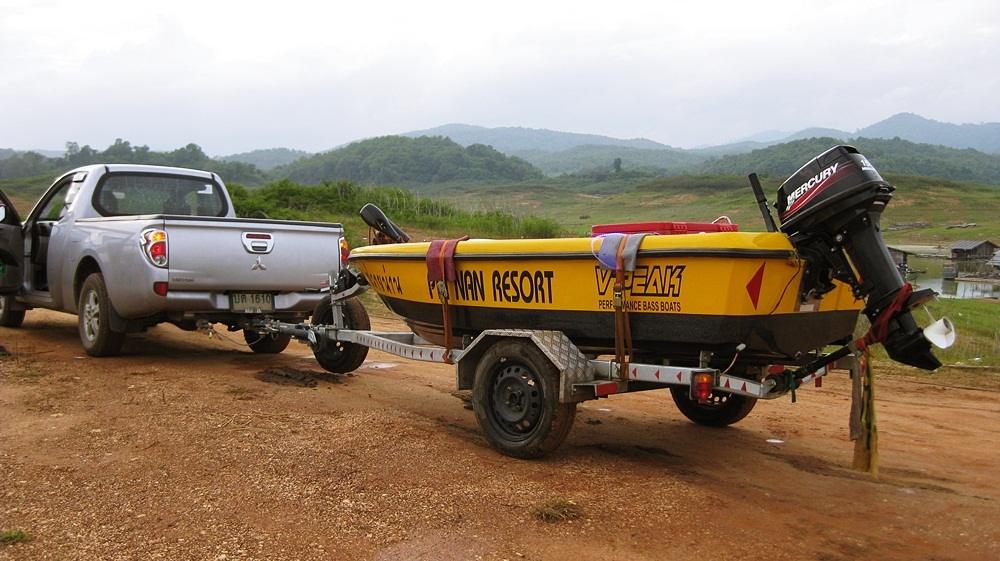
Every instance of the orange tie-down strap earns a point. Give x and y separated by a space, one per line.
623 327
620 253
440 260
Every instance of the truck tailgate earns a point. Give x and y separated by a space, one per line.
209 254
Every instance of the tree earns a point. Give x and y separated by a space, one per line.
617 165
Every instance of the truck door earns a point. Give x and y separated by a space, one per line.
11 247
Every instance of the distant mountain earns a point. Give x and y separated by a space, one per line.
399 160
984 137
518 139
266 159
7 153
589 157
817 132
888 155
763 137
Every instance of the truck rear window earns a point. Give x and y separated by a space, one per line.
127 194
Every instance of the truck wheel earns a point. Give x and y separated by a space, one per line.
721 410
94 320
516 399
10 317
266 343
337 356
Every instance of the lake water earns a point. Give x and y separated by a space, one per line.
931 278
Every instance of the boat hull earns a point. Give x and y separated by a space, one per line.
689 293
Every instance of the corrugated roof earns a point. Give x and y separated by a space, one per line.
969 244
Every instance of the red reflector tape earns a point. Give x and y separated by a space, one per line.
160 288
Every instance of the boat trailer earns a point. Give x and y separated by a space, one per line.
526 383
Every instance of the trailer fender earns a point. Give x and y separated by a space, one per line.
573 366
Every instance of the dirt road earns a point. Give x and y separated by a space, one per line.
181 449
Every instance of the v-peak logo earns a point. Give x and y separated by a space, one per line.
660 281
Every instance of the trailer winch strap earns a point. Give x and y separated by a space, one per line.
441 270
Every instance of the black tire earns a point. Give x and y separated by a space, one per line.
94 319
337 356
516 399
266 343
722 409
8 316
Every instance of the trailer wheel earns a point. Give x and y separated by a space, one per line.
516 399
721 410
94 319
337 356
9 317
266 343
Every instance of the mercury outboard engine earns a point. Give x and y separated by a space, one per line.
830 210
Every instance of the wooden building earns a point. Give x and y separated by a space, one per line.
973 249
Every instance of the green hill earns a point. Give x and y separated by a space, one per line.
510 140
889 156
33 164
398 160
592 156
266 159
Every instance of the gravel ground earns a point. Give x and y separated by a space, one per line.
193 448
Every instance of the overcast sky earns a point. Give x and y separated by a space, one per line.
234 76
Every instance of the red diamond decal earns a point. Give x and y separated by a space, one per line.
678 376
744 388
727 383
753 287
657 374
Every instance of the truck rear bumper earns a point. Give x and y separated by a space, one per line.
197 303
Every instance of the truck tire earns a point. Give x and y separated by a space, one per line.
515 396
266 343
10 317
337 356
722 409
94 319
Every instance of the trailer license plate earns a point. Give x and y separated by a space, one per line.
251 302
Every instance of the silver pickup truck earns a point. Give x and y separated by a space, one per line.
127 246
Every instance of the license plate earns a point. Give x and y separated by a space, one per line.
251 302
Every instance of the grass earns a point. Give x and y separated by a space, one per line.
9 537
578 202
557 510
978 340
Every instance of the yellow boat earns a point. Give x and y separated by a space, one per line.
772 296
688 293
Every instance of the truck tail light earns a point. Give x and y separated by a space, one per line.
154 245
345 251
701 386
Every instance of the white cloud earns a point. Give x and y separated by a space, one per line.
233 76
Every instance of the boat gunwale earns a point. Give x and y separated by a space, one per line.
705 252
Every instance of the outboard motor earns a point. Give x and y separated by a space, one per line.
385 230
830 210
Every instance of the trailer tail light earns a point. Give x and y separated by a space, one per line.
345 251
701 386
160 288
154 245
